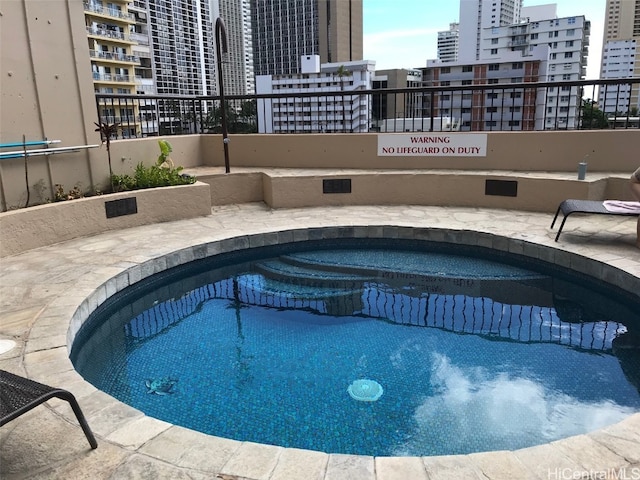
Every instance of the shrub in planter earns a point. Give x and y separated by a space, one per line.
163 174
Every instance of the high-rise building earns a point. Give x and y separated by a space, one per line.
113 63
286 30
448 43
347 112
183 50
621 56
499 109
398 105
477 15
237 68
500 38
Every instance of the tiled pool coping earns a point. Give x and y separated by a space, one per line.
137 438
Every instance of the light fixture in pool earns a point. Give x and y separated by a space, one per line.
365 390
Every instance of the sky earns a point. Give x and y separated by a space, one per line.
404 33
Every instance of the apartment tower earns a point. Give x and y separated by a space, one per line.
621 56
284 31
476 15
448 43
113 63
237 68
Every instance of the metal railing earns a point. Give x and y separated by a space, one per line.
484 107
450 312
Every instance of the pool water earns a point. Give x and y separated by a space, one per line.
471 355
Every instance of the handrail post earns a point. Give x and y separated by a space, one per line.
221 37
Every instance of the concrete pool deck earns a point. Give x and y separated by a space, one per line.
41 290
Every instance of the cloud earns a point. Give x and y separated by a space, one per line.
408 48
474 412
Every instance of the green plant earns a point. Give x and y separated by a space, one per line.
108 130
123 182
165 150
163 174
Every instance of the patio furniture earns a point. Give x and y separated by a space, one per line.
18 395
570 206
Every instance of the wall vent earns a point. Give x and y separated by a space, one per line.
336 185
123 206
501 188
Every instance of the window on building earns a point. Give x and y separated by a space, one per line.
494 41
534 36
514 109
516 65
514 123
568 54
566 76
571 32
492 96
467 68
516 95
445 70
564 98
494 51
571 20
568 43
467 82
494 67
492 80
465 110
492 109
491 123
549 109
516 80
553 56
445 83
564 109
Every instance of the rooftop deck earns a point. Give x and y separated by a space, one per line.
42 289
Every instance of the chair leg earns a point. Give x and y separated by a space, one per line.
68 396
561 227
556 216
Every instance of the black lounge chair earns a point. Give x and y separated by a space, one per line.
567 207
18 395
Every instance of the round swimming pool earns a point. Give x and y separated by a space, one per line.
372 347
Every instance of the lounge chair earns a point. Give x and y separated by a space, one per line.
608 207
18 395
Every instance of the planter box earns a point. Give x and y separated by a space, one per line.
34 227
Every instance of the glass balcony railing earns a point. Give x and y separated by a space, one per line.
104 32
108 77
120 57
109 11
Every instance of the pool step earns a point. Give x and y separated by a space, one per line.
285 271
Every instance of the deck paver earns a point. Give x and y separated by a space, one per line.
45 292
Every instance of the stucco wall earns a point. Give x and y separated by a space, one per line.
47 93
34 227
556 151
